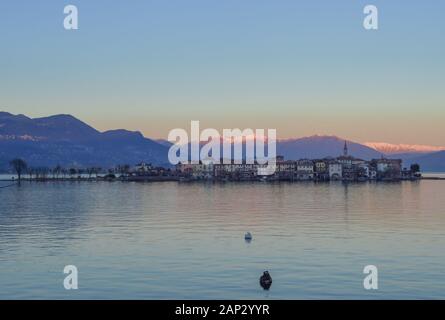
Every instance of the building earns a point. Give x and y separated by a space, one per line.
286 170
321 170
335 171
344 167
141 168
388 169
305 170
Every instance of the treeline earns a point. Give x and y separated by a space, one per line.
21 168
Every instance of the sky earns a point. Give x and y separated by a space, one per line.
302 67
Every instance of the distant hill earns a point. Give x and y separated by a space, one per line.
54 128
317 147
389 148
432 162
164 142
65 140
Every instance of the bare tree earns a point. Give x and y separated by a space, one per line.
72 172
90 172
123 169
415 168
30 172
44 172
97 170
19 166
80 172
56 171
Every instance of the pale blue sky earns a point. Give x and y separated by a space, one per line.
302 67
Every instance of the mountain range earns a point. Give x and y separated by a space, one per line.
390 148
67 141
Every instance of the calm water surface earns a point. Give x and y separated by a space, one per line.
186 241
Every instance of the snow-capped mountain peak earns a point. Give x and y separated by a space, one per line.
389 148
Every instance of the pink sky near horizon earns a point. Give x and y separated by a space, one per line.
300 67
426 131
379 130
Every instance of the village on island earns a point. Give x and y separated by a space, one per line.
344 168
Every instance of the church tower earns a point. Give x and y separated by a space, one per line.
345 149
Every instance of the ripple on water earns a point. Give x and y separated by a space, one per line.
186 241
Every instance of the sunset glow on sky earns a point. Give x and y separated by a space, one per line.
302 67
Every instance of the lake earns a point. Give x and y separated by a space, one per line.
186 241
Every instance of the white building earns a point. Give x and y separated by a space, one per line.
335 171
372 173
141 168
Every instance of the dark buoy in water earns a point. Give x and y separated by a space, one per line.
266 280
248 237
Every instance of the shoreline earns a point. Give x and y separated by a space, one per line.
182 180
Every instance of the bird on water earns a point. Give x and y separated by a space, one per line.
266 280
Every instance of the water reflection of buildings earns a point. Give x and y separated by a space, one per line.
344 167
